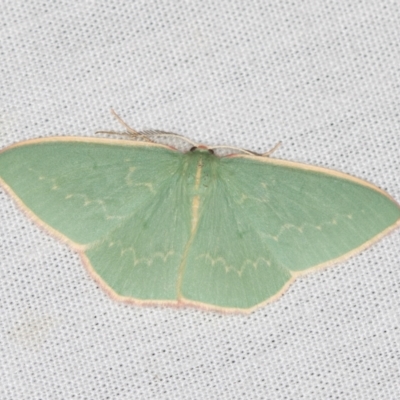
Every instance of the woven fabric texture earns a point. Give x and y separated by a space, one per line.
322 77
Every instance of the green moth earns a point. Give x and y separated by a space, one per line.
154 225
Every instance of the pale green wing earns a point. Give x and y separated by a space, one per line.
121 204
155 225
262 222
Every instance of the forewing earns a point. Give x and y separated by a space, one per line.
124 204
263 221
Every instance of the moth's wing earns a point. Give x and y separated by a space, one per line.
264 222
122 204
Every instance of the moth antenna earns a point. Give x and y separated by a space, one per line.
132 132
251 153
269 152
170 134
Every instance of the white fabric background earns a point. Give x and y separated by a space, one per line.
322 77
